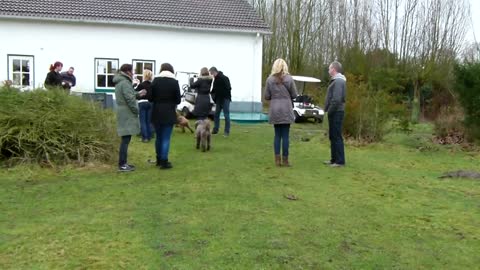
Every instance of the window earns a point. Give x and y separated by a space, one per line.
140 65
20 71
105 70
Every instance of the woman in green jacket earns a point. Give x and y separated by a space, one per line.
127 113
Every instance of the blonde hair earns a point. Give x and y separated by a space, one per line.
279 68
147 75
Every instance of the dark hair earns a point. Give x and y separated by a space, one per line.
166 67
72 68
213 69
55 65
126 68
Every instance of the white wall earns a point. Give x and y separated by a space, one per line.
238 55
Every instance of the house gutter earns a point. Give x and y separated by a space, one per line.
138 24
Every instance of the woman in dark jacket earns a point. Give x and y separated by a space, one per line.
145 107
54 78
165 95
203 104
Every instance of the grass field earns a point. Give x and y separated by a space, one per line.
226 209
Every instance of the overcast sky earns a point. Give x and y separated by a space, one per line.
475 22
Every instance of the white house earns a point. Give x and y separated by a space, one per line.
97 36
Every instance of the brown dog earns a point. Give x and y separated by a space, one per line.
203 134
183 123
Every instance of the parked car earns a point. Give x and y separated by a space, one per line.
303 107
189 95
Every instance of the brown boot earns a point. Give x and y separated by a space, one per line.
285 162
278 161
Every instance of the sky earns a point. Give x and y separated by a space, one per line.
475 22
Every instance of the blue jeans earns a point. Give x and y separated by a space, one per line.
122 156
145 109
335 124
282 132
225 106
162 140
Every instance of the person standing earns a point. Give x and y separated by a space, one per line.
145 107
203 105
69 79
221 93
280 89
165 95
335 107
54 78
127 113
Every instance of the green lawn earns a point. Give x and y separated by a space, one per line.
226 209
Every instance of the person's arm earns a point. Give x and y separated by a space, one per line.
227 83
129 96
195 85
149 94
268 93
336 97
74 80
327 99
292 90
48 79
177 93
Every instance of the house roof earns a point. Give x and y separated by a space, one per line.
232 15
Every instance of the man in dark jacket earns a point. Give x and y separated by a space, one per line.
221 93
69 79
335 107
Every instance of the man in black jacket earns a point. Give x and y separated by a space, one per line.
221 94
335 107
69 79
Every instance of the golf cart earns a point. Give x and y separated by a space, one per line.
303 107
189 95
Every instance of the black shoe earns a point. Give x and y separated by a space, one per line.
131 166
165 164
215 132
126 168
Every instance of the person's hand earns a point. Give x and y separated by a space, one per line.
136 81
142 92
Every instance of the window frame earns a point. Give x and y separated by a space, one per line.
105 88
135 61
31 72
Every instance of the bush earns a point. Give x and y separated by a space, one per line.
449 126
53 127
367 112
467 86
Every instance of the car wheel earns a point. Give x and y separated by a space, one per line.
298 118
319 120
